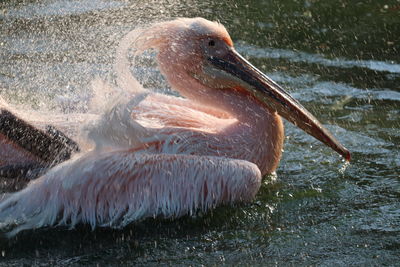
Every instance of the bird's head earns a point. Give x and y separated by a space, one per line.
201 53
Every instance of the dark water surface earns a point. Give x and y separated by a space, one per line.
341 59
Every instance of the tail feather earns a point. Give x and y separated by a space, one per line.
24 210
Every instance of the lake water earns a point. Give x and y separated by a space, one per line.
341 59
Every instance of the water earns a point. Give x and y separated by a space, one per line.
340 59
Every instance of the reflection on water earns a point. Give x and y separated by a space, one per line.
341 59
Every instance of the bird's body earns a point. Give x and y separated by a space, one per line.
180 127
184 161
159 155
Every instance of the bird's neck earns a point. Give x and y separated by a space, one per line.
261 130
258 133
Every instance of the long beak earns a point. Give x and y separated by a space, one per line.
273 96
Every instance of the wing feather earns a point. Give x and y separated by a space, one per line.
116 188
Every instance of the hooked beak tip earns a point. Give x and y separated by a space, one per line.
347 155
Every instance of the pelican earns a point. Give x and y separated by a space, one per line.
158 155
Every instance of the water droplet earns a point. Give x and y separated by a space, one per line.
344 167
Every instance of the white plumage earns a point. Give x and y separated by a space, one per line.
114 189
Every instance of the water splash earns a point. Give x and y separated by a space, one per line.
61 8
343 168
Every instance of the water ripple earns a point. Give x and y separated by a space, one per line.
296 56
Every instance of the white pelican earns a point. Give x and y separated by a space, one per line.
166 156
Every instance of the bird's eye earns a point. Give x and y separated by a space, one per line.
211 43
